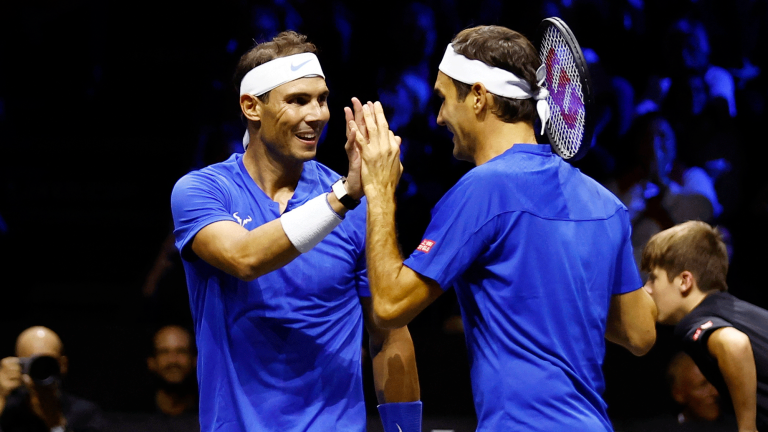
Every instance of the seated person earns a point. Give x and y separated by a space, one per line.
31 398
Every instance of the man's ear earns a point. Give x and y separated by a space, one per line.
687 282
251 107
152 364
481 98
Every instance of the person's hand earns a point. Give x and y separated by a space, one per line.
45 402
10 375
380 152
354 116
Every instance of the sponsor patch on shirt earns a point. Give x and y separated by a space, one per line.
701 328
425 245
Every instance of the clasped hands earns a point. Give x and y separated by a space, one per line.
373 151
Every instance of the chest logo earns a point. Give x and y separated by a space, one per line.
426 245
240 220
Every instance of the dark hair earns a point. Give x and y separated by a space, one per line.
505 49
694 246
284 44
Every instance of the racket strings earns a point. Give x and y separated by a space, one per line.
566 96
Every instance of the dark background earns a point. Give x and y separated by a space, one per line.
104 105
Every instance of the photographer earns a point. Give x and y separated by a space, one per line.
31 398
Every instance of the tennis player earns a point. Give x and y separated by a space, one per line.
539 254
273 248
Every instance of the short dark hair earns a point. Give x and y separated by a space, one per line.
284 44
505 49
694 246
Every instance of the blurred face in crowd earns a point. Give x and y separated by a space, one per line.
173 360
41 341
699 398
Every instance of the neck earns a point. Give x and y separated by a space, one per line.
689 303
174 404
274 175
495 137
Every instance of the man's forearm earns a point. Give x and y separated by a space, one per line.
383 255
394 368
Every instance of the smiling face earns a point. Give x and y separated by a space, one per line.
293 119
456 116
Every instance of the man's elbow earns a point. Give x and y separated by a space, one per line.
388 316
640 342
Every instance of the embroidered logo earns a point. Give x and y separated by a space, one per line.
425 245
240 220
295 67
701 329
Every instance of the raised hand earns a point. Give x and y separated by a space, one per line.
355 124
381 167
10 375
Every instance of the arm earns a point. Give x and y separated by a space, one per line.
242 253
394 364
632 321
398 292
249 254
733 352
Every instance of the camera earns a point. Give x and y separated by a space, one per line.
44 370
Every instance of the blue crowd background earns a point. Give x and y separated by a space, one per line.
104 105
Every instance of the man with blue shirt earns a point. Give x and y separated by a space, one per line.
275 265
539 254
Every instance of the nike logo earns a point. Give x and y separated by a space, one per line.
295 67
398 427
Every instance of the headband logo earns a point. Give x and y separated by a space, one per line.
295 67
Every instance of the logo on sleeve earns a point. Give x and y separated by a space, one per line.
701 329
240 220
425 245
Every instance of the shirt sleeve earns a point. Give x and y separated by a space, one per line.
455 237
197 200
627 276
697 333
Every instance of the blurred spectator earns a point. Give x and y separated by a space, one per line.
173 364
31 396
697 400
657 189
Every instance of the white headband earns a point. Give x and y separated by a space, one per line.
277 72
498 81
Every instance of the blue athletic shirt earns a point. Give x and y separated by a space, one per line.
534 250
282 352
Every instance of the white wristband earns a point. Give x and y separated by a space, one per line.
309 223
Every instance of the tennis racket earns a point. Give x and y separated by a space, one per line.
571 121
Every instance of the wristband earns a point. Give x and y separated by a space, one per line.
401 416
309 223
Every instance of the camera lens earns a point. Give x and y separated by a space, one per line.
44 370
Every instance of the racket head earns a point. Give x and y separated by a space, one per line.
571 97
